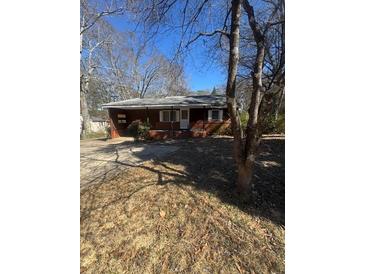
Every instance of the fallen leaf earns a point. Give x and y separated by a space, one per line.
162 214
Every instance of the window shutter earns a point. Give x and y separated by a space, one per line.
161 116
220 115
209 115
177 113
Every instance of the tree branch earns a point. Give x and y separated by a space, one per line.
222 32
85 27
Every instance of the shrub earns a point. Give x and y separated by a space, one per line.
139 130
133 128
274 126
270 125
143 130
280 124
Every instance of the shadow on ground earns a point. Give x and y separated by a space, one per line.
176 212
207 165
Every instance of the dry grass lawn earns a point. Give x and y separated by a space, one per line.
178 214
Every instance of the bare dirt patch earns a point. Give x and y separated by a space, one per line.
177 214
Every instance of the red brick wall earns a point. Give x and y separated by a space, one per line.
199 121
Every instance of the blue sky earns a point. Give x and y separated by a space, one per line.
202 76
201 73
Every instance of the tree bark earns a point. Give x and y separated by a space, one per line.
231 87
252 140
82 35
84 90
86 121
86 124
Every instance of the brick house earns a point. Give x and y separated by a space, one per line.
175 116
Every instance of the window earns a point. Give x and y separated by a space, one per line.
166 116
121 118
173 116
169 116
215 115
184 114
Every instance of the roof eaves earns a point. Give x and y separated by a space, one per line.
163 106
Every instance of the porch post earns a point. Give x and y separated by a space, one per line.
171 122
147 115
203 119
113 128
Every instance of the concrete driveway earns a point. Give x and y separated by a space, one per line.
103 160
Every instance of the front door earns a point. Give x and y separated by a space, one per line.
184 118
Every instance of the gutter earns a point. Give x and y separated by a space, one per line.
161 106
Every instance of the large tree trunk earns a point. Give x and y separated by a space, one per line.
252 140
82 35
84 90
86 121
231 86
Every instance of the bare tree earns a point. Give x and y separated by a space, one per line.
253 134
125 65
95 39
231 84
160 77
261 66
147 74
118 65
253 46
136 69
198 23
175 80
92 13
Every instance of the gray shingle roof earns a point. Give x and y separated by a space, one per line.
217 101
